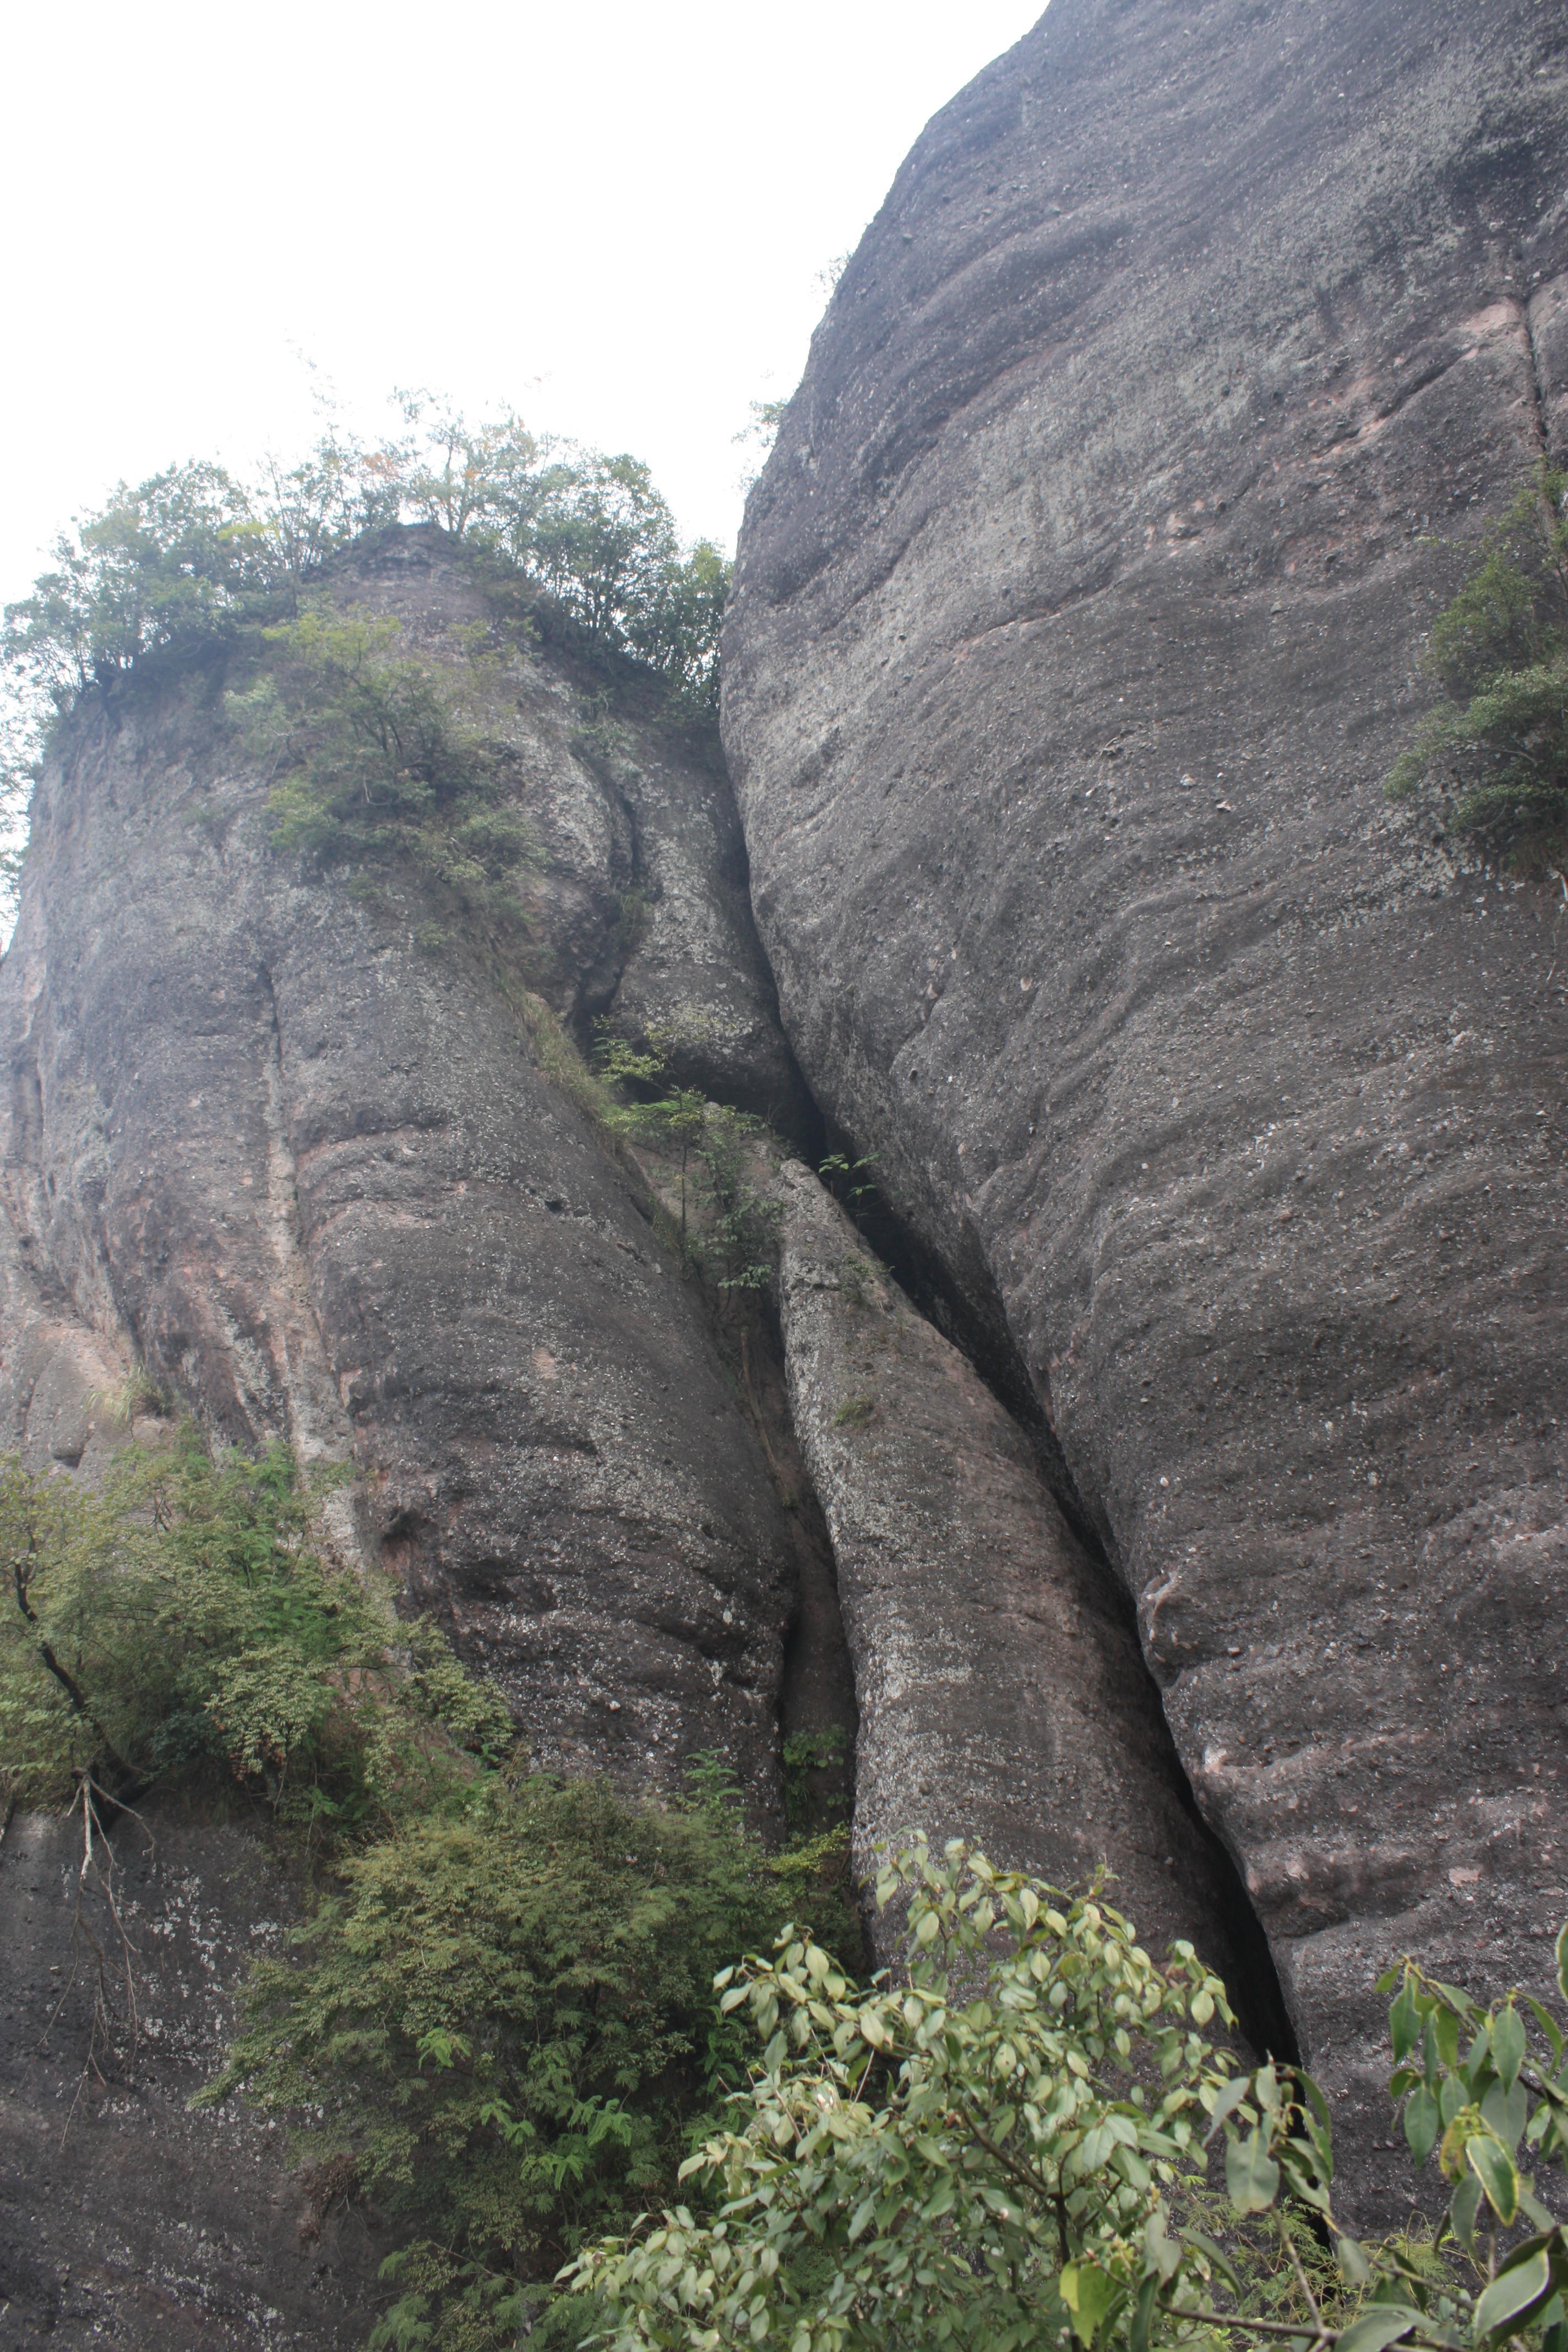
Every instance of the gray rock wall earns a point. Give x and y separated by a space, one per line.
1002 1696
1077 625
125 2219
318 1166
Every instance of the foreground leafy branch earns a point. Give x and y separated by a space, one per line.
1012 2148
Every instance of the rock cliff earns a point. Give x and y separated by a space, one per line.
322 1166
125 2219
1181 1487
1076 626
321 1161
293 1153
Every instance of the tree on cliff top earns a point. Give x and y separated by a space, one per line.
194 554
1494 754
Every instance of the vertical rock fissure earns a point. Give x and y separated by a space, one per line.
819 1713
318 1425
1537 381
984 1341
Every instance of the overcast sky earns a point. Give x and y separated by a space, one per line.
613 218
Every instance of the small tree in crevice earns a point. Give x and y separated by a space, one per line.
1494 756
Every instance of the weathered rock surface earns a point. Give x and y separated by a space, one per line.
1077 624
1002 1694
124 2219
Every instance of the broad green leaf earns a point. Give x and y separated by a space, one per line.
1251 2175
1445 2026
1507 2112
1216 2255
1421 2124
1508 2046
1143 2314
1229 2099
1548 2025
1562 1951
1463 2207
1513 2295
1354 2268
1089 2294
1379 2327
1404 2021
1493 2167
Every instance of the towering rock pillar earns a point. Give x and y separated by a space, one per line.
1077 622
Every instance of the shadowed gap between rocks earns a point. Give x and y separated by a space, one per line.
978 1329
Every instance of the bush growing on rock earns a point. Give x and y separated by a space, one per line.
376 760
196 556
180 1616
498 2016
195 553
1494 755
1011 2146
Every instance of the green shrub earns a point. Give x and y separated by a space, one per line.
1494 756
503 2020
726 1224
498 2013
378 761
196 555
179 1616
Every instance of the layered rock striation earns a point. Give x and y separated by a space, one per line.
1078 619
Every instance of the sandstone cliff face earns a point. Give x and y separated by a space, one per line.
1001 1693
324 1172
1076 626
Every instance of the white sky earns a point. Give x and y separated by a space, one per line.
611 217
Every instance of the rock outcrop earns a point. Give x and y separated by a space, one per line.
296 1156
326 1167
1077 623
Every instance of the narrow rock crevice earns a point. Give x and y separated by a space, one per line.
979 1331
818 1708
1546 340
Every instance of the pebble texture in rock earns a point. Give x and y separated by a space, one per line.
1077 619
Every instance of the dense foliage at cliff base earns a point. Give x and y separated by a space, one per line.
522 2017
498 2009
